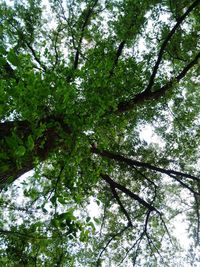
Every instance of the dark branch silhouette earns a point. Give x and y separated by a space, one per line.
43 145
123 189
88 15
114 192
148 95
135 163
166 41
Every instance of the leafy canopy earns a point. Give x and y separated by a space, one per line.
80 81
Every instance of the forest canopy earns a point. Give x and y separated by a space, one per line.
80 81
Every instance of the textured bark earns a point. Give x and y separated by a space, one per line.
43 146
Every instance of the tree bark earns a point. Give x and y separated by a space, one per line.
12 167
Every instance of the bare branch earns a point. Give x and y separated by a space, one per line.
139 239
184 184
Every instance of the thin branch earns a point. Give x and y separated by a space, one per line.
54 189
146 178
151 182
185 70
37 59
198 218
82 31
103 218
166 41
23 36
140 238
109 241
118 54
151 243
114 192
184 184
149 240
136 243
165 226
59 30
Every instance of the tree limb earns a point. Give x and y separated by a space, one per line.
148 95
135 163
89 13
166 41
108 242
114 192
123 189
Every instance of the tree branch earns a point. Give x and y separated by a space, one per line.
118 54
166 41
108 242
114 185
7 71
114 192
148 95
37 59
82 31
139 239
10 169
135 163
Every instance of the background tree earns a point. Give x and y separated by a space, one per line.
79 82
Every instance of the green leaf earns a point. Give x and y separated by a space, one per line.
62 200
88 219
30 143
21 150
12 57
67 216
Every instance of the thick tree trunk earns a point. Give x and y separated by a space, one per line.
12 167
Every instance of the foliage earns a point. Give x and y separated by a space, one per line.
80 81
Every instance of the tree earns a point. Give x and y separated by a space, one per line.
79 82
